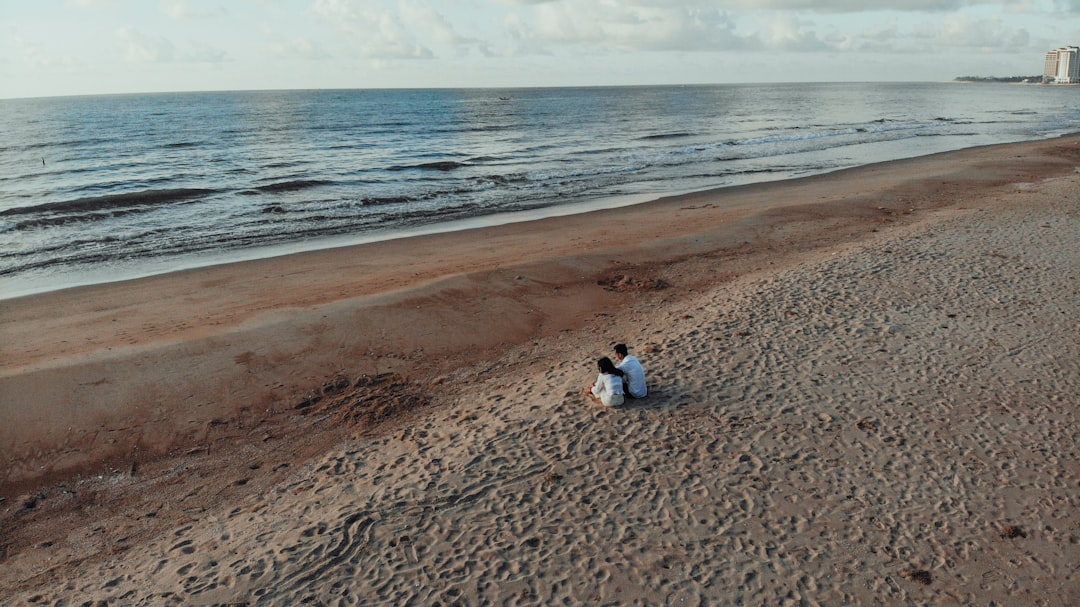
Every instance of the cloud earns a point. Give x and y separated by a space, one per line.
963 31
93 4
433 26
431 21
35 54
182 10
890 30
524 41
141 48
690 26
788 33
621 27
378 33
843 6
610 26
296 47
205 53
856 6
815 6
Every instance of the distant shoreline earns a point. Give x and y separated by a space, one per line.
1038 80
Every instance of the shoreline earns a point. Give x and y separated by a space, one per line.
94 344
150 268
904 319
197 261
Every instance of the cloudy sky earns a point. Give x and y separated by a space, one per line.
72 47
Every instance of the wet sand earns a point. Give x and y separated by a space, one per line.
863 390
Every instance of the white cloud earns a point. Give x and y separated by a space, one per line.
379 34
524 40
612 26
35 54
816 6
886 32
853 6
93 4
144 48
789 33
431 23
283 43
1024 7
201 52
182 10
296 47
140 48
963 31
436 28
609 26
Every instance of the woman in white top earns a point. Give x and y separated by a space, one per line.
608 388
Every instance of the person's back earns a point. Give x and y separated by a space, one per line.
608 388
611 394
636 387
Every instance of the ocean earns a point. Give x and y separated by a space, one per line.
102 188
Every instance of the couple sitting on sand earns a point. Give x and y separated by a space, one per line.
617 382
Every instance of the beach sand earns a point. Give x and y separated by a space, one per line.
864 390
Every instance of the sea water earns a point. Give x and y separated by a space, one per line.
103 188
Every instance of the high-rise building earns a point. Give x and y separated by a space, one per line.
1062 66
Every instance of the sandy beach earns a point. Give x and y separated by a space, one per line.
864 390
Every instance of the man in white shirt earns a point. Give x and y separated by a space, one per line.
634 380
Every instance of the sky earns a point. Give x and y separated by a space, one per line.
80 47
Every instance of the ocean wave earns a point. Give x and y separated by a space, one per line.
599 151
957 134
46 222
69 143
293 185
351 145
183 144
543 176
454 129
665 136
442 165
879 126
112 201
487 180
284 164
78 251
377 200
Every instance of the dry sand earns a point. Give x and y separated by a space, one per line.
864 391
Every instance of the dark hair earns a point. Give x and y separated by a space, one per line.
608 367
620 349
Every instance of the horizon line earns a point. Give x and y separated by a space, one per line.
477 88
